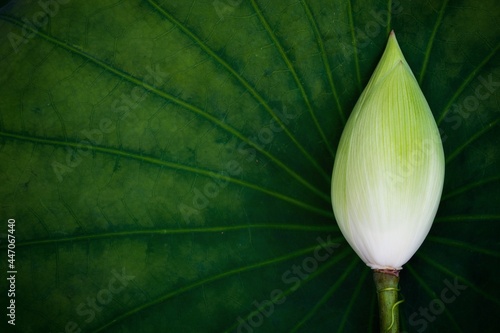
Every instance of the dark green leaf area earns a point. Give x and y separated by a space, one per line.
167 164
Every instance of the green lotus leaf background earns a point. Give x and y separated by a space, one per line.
167 164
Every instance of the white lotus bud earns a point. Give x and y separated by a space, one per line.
389 168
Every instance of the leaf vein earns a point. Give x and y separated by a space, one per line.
431 41
177 101
203 282
241 80
324 57
172 165
465 83
180 231
295 76
473 138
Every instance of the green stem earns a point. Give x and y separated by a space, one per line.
386 282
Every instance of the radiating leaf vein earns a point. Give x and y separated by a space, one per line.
241 80
175 100
171 165
206 281
292 70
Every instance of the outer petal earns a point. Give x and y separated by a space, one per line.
389 169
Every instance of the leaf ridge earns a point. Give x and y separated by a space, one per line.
465 83
389 17
460 278
433 295
324 57
463 245
470 186
354 297
473 138
354 44
205 281
459 218
325 297
242 81
311 276
149 232
179 102
431 42
171 165
291 68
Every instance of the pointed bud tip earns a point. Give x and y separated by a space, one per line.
392 35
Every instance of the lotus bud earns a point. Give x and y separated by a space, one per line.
389 168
